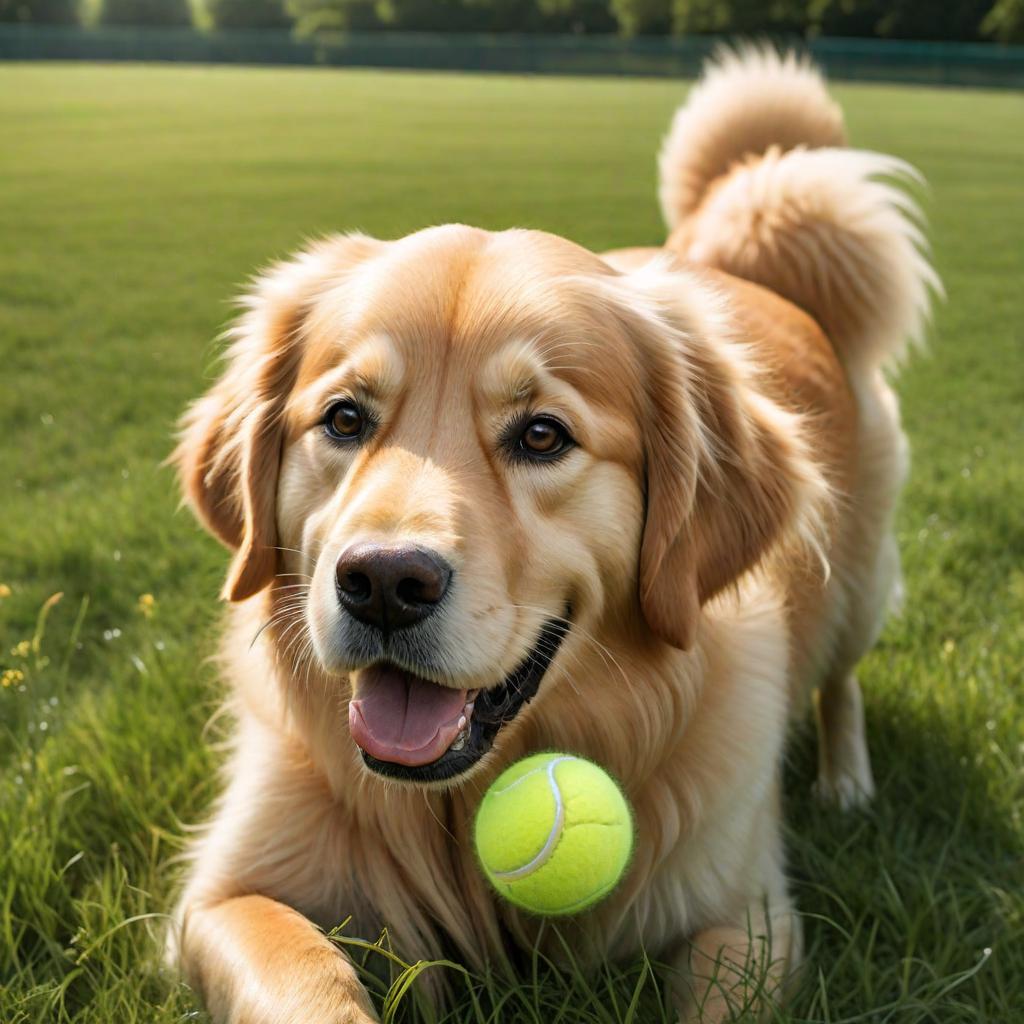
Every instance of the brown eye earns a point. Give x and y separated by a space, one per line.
545 438
344 421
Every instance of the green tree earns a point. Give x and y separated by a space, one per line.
145 12
642 17
701 16
47 12
577 16
899 19
312 16
739 16
1005 22
452 15
248 13
429 15
540 15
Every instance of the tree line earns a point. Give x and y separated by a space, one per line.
969 20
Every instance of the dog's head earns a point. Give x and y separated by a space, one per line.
444 458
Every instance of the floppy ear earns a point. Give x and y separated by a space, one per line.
728 477
228 454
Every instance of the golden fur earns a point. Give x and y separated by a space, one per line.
721 535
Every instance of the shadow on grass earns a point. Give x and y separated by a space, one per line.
912 907
537 992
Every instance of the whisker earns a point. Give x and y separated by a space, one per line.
279 616
299 621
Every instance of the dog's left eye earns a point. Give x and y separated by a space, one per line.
345 421
544 438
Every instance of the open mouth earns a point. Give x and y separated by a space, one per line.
411 728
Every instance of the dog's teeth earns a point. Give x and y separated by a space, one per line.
460 740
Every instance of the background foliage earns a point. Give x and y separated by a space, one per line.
247 14
52 12
1002 20
145 12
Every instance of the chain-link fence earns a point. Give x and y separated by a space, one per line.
963 64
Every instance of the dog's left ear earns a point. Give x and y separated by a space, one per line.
229 450
728 478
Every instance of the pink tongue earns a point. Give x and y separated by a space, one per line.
401 718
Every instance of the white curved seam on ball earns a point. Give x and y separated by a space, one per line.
533 771
556 827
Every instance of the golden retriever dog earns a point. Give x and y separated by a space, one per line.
491 493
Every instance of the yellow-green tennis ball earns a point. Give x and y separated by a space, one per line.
554 834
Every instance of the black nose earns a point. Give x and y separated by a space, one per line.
391 587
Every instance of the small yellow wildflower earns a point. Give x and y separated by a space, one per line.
22 650
11 676
5 591
147 603
948 648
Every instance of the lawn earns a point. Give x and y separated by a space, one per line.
133 202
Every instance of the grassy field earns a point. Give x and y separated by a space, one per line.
134 200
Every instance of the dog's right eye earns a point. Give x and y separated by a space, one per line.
542 438
345 421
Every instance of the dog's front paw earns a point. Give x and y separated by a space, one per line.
848 789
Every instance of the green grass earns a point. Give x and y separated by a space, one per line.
134 200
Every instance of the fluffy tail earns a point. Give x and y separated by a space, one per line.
755 181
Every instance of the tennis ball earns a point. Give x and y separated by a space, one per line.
554 834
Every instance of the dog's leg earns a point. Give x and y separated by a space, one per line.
257 961
844 765
866 577
725 972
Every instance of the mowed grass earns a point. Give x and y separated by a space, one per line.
133 202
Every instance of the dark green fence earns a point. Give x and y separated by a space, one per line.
857 59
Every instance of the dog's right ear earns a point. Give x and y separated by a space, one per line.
229 449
